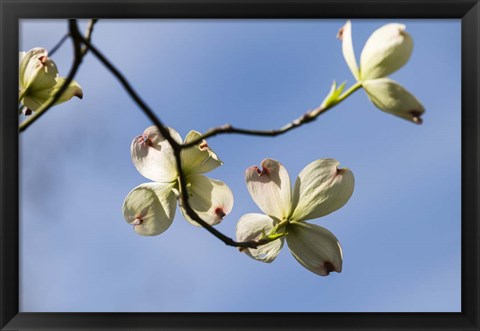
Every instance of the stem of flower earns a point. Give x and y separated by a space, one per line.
279 226
348 92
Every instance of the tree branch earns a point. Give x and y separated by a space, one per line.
88 34
308 117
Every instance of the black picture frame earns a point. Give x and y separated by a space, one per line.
13 10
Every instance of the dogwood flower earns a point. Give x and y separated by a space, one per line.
386 51
150 207
39 81
320 189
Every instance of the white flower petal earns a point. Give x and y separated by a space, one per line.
386 51
150 208
270 188
393 98
37 72
200 158
252 227
153 156
36 99
46 77
320 189
211 199
345 35
316 248
73 90
29 64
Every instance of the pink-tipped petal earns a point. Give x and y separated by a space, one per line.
345 35
316 248
393 98
150 208
320 189
200 158
270 188
252 227
211 199
153 156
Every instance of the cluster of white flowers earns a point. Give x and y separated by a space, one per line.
38 81
320 189
150 207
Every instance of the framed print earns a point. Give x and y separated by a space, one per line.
239 165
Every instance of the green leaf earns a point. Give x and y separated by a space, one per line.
335 92
339 90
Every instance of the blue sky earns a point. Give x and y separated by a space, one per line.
400 231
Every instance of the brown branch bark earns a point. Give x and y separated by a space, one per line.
228 128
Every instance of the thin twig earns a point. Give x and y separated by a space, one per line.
228 128
59 44
304 119
88 34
